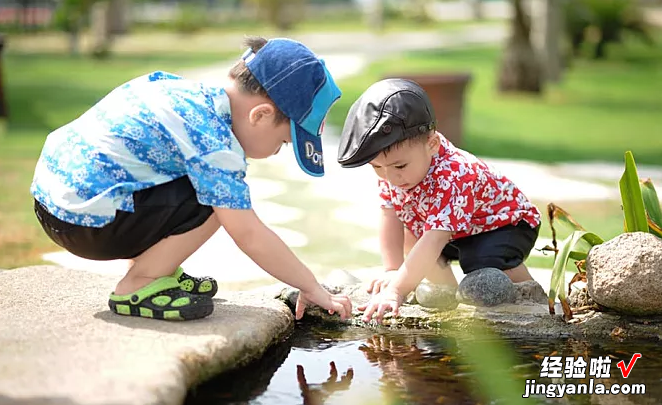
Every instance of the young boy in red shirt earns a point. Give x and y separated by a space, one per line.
440 203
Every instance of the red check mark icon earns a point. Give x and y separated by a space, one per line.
626 370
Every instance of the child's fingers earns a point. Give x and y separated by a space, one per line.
381 311
368 312
347 307
300 308
378 287
371 285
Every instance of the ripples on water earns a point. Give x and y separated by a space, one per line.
359 366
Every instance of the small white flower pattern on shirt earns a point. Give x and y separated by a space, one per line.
89 155
460 194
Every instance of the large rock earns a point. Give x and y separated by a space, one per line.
625 274
59 343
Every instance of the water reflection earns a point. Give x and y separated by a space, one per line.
416 369
322 367
316 394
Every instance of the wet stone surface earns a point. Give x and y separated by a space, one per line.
526 316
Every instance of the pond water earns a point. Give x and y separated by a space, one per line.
359 366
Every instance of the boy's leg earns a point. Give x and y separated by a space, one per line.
163 258
519 274
441 273
504 248
167 225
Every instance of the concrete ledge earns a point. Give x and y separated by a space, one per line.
59 342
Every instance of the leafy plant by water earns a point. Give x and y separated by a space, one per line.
642 213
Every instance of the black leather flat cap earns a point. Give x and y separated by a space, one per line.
388 112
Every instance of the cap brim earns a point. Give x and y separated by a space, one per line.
352 163
308 150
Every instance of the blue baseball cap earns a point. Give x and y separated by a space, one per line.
300 85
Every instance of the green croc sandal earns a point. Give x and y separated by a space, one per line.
162 299
196 285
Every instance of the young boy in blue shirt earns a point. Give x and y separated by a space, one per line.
157 166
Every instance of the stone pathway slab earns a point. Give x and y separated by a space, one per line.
61 344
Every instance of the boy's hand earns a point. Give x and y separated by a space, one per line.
381 282
386 300
319 296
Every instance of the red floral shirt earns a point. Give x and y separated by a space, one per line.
460 194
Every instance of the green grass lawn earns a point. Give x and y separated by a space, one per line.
600 110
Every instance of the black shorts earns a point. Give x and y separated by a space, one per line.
168 209
503 248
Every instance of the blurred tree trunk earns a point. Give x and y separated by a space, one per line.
100 27
74 39
551 46
281 14
376 15
520 70
4 111
119 13
476 9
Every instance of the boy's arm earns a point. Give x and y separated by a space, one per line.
269 252
420 260
391 239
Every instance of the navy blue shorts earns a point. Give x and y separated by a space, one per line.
167 209
503 248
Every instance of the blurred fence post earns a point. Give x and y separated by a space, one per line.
4 111
446 92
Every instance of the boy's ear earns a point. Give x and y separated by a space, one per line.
433 142
261 112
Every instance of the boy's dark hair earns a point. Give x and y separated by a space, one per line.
245 79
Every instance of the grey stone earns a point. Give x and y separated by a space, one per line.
60 341
625 274
290 295
486 288
436 296
530 291
525 319
579 298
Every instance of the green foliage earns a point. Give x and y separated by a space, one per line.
576 247
652 206
642 213
72 15
190 18
633 203
602 22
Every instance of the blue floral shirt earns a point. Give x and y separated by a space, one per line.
148 131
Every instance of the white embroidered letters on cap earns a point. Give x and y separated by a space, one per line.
313 155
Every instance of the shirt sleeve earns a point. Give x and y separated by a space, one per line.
451 203
385 194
